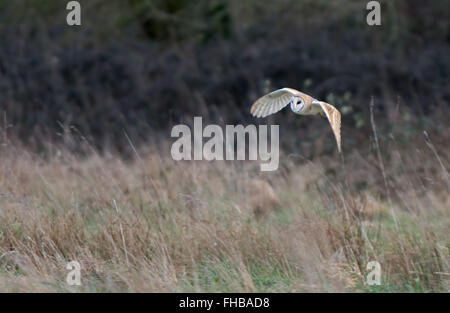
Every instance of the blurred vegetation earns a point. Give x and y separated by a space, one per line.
176 20
142 65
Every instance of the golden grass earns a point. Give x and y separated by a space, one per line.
155 225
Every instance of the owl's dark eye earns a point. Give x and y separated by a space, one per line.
299 101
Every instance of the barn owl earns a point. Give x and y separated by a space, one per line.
301 104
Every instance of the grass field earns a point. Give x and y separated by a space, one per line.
155 225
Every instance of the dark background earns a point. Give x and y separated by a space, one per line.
141 66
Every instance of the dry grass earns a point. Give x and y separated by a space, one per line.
155 225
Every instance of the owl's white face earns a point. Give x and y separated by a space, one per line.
297 104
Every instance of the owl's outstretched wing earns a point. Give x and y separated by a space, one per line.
272 102
334 117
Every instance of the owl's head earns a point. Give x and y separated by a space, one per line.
297 104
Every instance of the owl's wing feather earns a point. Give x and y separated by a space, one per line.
334 117
272 102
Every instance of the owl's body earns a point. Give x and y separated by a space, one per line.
301 104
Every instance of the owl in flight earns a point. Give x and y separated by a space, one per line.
301 104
